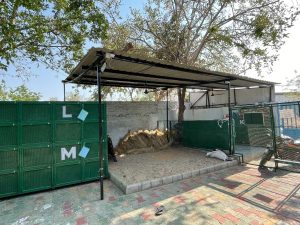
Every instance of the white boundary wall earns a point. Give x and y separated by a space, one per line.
239 96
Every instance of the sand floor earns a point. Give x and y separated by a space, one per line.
147 166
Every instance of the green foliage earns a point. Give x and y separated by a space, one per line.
20 93
293 86
224 35
53 32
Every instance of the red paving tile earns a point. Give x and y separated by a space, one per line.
112 198
179 199
254 222
140 199
146 216
243 211
81 221
219 218
231 218
154 195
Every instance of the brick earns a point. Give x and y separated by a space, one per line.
167 180
203 171
177 177
186 175
146 185
156 182
132 188
195 173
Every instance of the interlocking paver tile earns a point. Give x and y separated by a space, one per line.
236 195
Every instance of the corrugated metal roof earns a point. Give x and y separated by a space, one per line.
132 71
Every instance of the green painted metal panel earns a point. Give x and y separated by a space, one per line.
8 184
68 174
8 135
205 134
93 112
254 118
91 169
35 112
8 112
94 150
67 132
36 179
33 136
90 130
37 156
241 130
9 159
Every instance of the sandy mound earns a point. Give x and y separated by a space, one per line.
142 141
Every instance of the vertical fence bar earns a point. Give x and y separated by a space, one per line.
167 111
100 133
229 119
273 129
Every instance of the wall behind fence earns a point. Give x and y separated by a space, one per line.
125 116
40 144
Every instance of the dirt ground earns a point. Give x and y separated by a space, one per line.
147 166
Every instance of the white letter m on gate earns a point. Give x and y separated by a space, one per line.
64 153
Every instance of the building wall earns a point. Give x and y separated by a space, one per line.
125 116
205 114
238 97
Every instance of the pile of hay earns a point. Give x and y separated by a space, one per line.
142 141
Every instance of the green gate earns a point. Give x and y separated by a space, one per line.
40 143
207 134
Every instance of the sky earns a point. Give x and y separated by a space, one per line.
48 82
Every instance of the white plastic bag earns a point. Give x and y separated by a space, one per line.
217 154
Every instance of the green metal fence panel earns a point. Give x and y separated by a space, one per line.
40 144
205 134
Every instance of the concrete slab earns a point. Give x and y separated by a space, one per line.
155 169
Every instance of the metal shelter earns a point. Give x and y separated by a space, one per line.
103 67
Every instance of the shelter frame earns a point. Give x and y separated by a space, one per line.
103 67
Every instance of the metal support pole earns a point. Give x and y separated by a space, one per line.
100 132
167 111
273 129
229 120
64 91
208 99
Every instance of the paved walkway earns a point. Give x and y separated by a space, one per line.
237 195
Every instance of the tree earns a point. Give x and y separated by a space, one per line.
53 32
293 86
224 35
74 95
53 99
20 93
